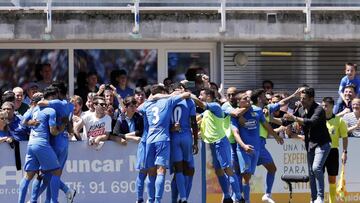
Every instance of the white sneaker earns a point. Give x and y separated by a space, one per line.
70 195
319 200
267 198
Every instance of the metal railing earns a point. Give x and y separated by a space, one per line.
220 6
165 5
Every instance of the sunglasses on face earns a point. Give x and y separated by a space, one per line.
102 105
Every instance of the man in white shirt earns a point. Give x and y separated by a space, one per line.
97 124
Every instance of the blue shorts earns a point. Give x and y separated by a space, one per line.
247 162
158 154
221 153
40 156
140 154
265 156
181 149
62 154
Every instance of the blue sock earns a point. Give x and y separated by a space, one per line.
180 183
35 190
140 185
46 178
159 187
64 187
234 182
44 183
224 184
246 189
24 184
269 182
174 191
188 183
238 174
48 194
151 188
54 188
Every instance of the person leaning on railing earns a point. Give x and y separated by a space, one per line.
129 125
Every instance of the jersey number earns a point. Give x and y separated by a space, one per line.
156 117
177 114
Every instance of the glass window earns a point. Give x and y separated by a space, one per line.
181 63
140 64
18 67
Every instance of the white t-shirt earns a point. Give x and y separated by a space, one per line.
96 126
351 120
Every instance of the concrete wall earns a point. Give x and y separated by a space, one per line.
179 26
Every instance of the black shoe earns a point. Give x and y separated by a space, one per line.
240 201
140 201
227 200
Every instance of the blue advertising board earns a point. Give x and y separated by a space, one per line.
105 175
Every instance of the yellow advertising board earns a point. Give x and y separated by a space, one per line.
289 158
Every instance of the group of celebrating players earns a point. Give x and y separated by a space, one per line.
173 118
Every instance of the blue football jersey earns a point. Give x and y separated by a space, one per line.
181 114
158 114
250 132
46 116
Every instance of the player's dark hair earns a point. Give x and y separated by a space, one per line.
8 96
351 86
210 92
309 91
50 91
256 94
61 87
157 89
329 100
97 98
268 82
354 65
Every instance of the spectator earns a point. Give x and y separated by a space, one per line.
352 119
18 131
81 133
278 114
268 86
139 95
167 82
45 76
345 106
4 133
91 86
77 114
78 102
97 124
119 80
20 106
350 78
129 125
90 102
110 93
31 89
8 96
